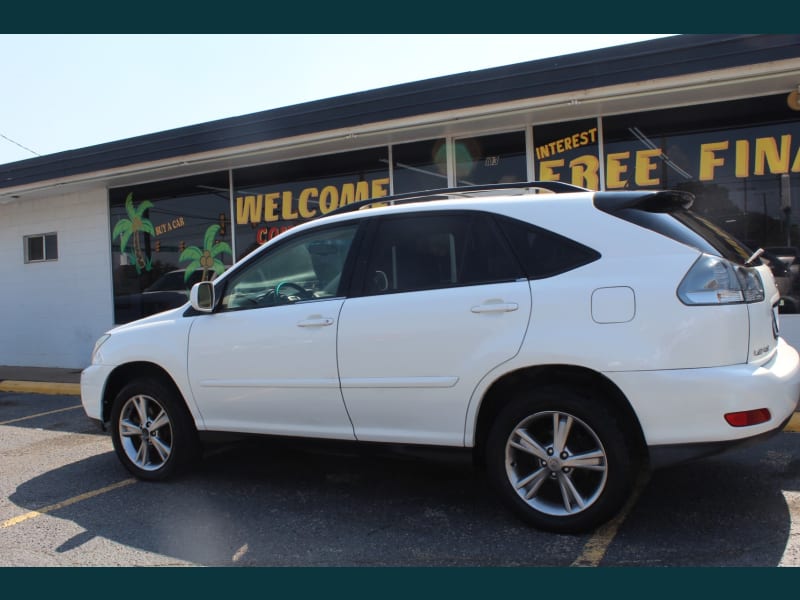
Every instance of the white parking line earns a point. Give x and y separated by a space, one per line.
791 554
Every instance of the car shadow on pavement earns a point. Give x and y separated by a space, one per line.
726 510
271 503
277 503
51 413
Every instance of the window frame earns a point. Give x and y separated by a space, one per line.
26 246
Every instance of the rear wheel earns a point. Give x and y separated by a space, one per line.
152 431
560 460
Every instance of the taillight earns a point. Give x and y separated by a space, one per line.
714 280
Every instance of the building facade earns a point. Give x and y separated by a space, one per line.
106 234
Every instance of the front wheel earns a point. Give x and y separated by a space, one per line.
559 460
152 431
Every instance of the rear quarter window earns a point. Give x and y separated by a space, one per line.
543 253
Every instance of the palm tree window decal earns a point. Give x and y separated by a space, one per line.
132 227
205 258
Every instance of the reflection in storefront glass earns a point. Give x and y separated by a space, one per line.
419 166
488 159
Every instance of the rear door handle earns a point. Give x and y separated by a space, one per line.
495 307
321 322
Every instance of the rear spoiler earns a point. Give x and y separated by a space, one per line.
657 202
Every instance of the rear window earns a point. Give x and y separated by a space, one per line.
689 228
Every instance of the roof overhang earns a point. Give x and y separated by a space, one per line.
774 77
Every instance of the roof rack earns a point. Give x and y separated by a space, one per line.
558 187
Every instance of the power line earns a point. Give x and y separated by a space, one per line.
18 144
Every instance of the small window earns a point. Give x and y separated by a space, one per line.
41 247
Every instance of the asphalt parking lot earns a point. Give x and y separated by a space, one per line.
65 500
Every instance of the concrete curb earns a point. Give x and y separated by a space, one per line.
41 387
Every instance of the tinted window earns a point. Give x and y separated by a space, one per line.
544 253
689 228
435 250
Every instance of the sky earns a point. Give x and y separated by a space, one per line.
63 92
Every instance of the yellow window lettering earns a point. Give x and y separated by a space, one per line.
767 153
248 209
645 165
572 142
542 152
302 202
287 213
271 207
348 195
742 168
547 169
615 170
709 159
585 172
362 191
380 187
328 199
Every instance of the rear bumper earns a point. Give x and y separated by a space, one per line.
685 407
671 454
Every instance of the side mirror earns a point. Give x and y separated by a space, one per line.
202 297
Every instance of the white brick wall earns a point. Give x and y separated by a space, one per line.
52 312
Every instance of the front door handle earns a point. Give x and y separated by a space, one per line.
495 307
316 322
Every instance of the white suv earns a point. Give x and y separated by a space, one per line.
569 339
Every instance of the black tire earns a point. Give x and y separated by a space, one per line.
153 433
540 477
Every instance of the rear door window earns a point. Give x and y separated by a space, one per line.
430 250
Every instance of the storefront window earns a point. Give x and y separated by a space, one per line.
269 199
166 236
490 159
568 152
419 166
740 159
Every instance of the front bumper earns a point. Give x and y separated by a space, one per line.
93 385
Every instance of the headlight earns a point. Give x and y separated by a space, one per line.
95 356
